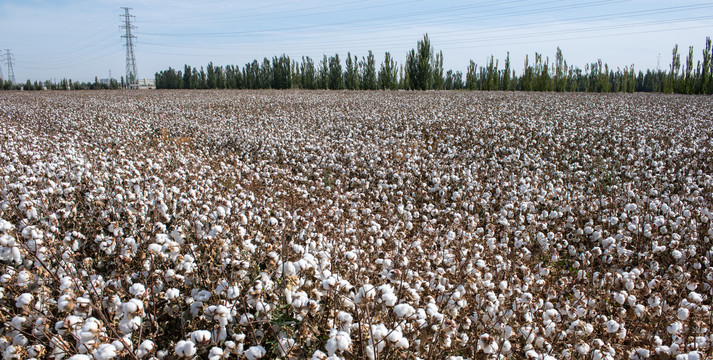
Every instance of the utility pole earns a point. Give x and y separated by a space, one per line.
10 71
132 79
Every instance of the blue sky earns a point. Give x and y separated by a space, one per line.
81 39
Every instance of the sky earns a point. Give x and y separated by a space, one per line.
81 39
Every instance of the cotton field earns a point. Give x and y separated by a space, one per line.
350 225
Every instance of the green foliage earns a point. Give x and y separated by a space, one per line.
336 82
388 74
420 66
423 70
350 73
368 74
281 72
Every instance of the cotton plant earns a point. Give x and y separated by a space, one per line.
415 225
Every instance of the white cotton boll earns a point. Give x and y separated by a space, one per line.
289 269
105 352
185 348
215 353
137 289
683 313
172 293
402 343
695 297
350 255
582 348
630 207
612 326
255 352
503 285
23 300
693 355
319 355
5 225
146 347
640 354
345 317
132 306
639 310
676 254
404 310
620 297
200 336
507 346
203 295
389 299
487 344
674 327
233 292
23 278
272 221
394 335
80 357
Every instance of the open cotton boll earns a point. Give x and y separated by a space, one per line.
23 300
674 328
185 348
487 344
404 310
172 293
255 352
137 289
80 357
620 297
339 342
683 314
640 354
389 299
612 326
105 352
215 353
146 347
200 336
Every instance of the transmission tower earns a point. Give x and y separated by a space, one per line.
8 61
131 79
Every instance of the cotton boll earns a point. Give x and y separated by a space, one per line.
200 336
612 326
389 299
683 314
215 353
404 310
674 328
582 348
185 348
255 352
487 344
105 352
695 297
80 357
172 293
23 300
137 289
620 297
146 347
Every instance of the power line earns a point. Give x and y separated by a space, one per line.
132 79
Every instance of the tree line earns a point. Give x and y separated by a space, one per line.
64 84
423 70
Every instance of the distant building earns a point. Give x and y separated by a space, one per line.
147 84
105 81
